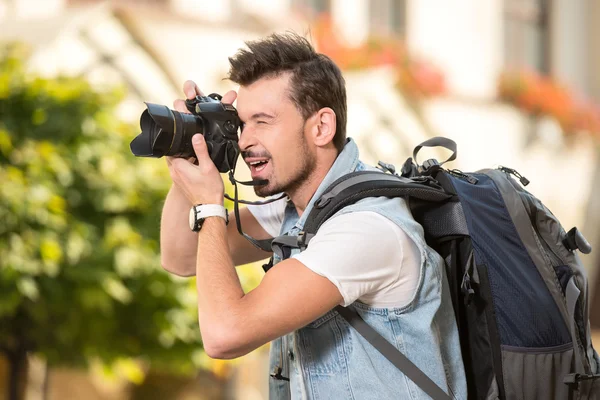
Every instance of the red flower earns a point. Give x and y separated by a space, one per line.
416 78
539 95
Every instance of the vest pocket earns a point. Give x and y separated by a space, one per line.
322 346
321 320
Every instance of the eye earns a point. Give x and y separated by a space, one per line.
261 122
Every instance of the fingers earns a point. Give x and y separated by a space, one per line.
192 160
204 160
179 105
176 165
172 165
179 167
174 160
191 90
229 97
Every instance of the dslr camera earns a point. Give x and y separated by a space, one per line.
166 132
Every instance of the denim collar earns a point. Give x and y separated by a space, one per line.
345 163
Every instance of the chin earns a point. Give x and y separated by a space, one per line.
267 190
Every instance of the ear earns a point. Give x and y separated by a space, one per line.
324 126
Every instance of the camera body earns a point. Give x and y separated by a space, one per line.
166 132
220 128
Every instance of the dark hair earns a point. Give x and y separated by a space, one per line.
316 81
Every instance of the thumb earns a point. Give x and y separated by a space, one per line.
201 150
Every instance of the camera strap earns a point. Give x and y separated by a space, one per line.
264 244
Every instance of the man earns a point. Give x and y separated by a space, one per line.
372 255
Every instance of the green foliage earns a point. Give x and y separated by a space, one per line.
80 274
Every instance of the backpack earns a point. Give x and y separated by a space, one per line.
518 287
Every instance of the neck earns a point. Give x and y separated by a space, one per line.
302 194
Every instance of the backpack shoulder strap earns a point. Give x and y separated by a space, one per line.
351 188
359 185
346 191
393 355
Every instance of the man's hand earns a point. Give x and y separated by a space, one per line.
201 183
191 90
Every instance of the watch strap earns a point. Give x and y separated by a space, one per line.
203 211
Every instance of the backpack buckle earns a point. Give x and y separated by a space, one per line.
573 380
303 239
387 167
266 267
429 166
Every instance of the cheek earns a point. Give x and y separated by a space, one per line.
284 162
288 151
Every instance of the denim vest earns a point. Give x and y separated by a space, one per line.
328 359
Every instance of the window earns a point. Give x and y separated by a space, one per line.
387 17
527 34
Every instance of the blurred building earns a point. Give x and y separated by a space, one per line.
153 46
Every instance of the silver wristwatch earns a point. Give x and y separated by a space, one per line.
199 212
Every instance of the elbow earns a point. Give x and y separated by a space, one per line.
175 271
224 346
174 267
220 352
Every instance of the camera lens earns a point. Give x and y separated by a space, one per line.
165 133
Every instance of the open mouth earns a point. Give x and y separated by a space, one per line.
257 166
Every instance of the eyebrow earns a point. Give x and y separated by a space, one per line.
261 115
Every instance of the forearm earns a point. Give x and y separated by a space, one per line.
178 244
218 286
233 323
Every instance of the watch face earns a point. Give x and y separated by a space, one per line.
192 218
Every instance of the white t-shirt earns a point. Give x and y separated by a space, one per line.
364 254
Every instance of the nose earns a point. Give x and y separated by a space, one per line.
247 139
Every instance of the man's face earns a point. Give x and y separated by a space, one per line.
273 141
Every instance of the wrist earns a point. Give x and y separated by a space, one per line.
206 198
208 201
200 212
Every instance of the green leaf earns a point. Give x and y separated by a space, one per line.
79 264
28 288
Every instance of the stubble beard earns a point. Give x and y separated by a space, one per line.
295 181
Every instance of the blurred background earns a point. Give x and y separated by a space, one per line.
86 312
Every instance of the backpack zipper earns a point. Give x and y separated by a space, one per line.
556 260
524 181
551 256
461 175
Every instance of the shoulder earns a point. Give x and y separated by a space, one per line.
356 237
390 208
362 253
364 223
